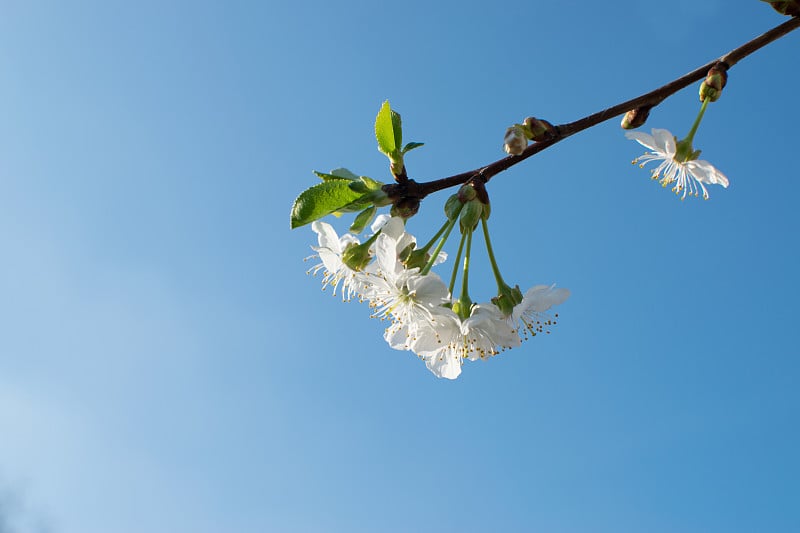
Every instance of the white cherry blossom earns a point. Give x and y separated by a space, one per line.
689 177
336 273
484 334
531 313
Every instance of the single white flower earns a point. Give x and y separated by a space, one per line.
515 141
405 297
330 250
484 334
689 176
531 314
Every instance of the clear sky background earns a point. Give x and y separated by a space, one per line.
167 365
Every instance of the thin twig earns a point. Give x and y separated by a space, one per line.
411 191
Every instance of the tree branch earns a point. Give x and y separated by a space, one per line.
412 192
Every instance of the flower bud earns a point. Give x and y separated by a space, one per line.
471 214
515 140
405 208
487 211
635 117
466 193
452 207
711 87
540 130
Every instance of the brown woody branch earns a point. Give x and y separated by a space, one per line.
408 193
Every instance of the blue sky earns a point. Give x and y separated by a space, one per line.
167 365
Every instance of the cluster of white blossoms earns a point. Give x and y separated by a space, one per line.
417 303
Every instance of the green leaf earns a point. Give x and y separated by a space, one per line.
329 177
362 219
384 129
336 174
397 129
343 173
411 146
358 186
322 199
371 184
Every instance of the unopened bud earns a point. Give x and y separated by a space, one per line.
711 87
635 117
540 130
466 193
471 214
452 207
487 210
405 208
515 140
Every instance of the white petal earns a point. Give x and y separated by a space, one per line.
443 328
542 297
648 141
429 289
706 172
330 259
665 141
386 256
394 228
327 236
379 222
444 364
397 337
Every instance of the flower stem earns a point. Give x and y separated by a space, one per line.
435 254
427 247
690 136
455 264
464 299
497 276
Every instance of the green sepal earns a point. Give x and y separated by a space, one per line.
362 219
410 146
507 298
323 199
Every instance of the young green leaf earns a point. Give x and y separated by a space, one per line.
358 186
343 173
411 146
370 183
322 199
384 130
362 219
336 174
329 177
397 129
